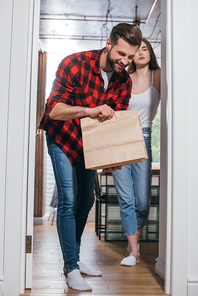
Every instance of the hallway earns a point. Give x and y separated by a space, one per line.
48 278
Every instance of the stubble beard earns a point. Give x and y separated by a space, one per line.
113 63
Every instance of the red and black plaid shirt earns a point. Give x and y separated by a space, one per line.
79 82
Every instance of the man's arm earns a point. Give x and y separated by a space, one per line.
65 112
121 102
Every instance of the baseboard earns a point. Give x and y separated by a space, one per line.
192 286
1 285
160 267
40 220
1 289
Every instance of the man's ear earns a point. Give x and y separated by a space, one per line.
108 44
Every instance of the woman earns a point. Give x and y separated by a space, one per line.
133 182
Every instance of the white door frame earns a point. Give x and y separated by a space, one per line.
172 262
34 27
18 75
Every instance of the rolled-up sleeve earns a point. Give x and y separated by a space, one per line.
64 84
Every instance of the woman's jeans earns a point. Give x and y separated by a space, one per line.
75 187
133 185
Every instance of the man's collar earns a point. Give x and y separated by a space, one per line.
97 61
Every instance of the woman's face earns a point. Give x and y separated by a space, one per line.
142 56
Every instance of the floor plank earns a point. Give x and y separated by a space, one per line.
117 280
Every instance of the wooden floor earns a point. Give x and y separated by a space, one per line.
49 280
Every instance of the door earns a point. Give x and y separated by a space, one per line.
33 57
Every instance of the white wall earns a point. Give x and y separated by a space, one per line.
192 98
15 75
5 21
160 261
180 152
179 199
185 144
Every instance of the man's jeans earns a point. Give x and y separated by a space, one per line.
133 185
75 187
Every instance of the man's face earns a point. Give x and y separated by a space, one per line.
120 55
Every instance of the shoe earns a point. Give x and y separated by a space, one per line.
84 270
129 261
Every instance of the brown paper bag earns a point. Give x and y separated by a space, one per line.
115 142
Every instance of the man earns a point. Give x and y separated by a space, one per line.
92 83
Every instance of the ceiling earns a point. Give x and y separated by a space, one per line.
68 26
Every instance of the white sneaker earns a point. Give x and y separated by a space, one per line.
129 261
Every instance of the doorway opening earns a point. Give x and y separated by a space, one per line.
62 34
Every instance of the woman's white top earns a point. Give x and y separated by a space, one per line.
146 103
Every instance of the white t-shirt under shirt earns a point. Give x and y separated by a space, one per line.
146 103
106 77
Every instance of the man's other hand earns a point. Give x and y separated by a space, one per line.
109 170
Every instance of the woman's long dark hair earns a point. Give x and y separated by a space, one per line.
153 65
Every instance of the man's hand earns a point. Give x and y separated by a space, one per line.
103 112
109 170
65 112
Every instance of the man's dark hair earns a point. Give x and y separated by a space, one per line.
130 33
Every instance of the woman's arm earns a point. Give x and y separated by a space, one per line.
157 80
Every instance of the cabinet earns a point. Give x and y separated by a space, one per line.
108 223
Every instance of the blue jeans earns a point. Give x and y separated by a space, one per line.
133 185
75 187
